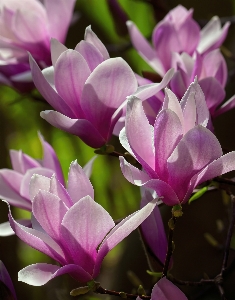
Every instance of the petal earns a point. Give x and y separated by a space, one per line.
122 230
93 39
166 290
163 190
212 36
144 49
6 230
47 90
153 230
40 274
187 159
88 166
171 102
79 184
38 182
50 159
71 72
139 133
222 165
146 91
57 189
83 228
58 10
189 35
202 109
167 133
90 53
165 41
22 162
132 174
24 188
214 93
6 279
229 104
190 112
43 205
37 240
12 196
56 50
105 90
82 128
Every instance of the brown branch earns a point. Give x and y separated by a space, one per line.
101 290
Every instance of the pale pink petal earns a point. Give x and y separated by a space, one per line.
93 39
105 90
47 90
166 290
24 188
82 128
139 133
189 35
144 48
12 196
59 13
212 36
6 230
171 102
190 112
43 205
132 174
165 41
177 84
71 73
50 159
38 182
57 189
79 184
83 228
40 274
148 90
91 54
122 230
187 159
214 93
56 50
37 240
168 131
229 104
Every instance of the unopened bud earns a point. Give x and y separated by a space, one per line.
80 291
171 224
130 158
141 291
177 211
122 295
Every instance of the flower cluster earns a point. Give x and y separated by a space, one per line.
166 128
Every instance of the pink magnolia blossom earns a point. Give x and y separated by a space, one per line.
70 227
178 152
166 290
14 184
28 26
8 292
178 43
179 33
87 89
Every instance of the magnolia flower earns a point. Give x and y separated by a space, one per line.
166 290
178 43
27 26
178 153
70 227
177 32
14 184
7 288
87 89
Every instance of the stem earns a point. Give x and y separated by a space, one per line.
101 290
169 247
229 236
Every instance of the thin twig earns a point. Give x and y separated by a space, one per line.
101 290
